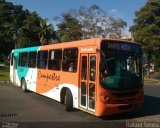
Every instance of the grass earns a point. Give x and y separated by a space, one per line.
4 73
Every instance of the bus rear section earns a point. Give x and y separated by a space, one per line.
120 86
13 67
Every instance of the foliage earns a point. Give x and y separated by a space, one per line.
5 16
97 23
27 34
146 29
89 22
46 33
20 28
69 29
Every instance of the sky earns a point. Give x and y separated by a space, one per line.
124 9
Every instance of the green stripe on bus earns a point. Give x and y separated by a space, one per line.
22 71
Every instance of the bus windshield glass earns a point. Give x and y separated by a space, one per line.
120 65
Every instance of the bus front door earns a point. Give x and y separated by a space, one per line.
88 81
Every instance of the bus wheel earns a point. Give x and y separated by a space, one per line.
24 87
69 100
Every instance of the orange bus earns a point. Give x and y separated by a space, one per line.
99 76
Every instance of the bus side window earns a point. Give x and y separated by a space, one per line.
19 61
70 57
55 59
42 59
24 59
32 59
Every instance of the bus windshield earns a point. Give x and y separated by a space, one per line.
120 69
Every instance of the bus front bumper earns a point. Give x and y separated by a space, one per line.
103 109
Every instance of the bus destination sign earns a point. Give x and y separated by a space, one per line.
119 46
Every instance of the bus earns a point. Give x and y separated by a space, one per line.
100 76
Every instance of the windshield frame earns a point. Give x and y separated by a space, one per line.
134 50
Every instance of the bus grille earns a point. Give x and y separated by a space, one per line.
125 107
124 94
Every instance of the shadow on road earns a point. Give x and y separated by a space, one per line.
151 107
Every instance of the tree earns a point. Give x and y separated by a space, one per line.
6 18
69 29
21 28
146 29
97 23
46 32
29 31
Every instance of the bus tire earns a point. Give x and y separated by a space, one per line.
69 100
24 86
63 95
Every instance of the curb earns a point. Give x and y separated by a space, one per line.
153 83
5 81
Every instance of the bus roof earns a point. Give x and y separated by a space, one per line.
79 43
87 42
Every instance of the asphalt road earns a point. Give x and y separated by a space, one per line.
16 106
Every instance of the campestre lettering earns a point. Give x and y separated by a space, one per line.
52 76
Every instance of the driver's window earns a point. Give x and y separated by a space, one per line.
111 66
131 65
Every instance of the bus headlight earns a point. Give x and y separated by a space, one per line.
107 99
